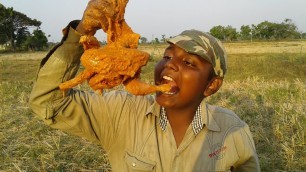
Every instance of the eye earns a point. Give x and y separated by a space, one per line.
189 63
167 57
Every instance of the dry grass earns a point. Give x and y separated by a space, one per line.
264 86
275 112
27 144
266 47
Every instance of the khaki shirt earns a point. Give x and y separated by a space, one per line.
127 126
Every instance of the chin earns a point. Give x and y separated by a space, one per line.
163 100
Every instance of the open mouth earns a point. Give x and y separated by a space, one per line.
174 88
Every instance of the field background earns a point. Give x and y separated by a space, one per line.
265 86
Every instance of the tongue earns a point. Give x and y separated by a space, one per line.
174 89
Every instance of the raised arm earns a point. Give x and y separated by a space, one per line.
77 112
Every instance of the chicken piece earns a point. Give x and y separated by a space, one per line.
137 87
119 62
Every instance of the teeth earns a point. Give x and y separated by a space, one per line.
170 93
167 78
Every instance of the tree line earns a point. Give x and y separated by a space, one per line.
15 31
263 31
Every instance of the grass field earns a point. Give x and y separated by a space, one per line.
265 86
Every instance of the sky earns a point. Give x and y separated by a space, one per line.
155 18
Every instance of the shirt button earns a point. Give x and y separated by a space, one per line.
134 164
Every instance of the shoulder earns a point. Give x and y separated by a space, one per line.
231 126
234 136
224 118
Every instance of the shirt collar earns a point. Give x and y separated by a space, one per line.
154 109
197 122
208 119
202 117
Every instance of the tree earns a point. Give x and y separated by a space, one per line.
285 30
21 36
227 33
155 41
3 35
288 30
245 32
37 41
230 33
143 40
163 38
14 24
218 32
264 30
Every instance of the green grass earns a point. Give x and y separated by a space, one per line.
266 90
269 66
18 70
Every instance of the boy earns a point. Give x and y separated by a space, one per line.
175 131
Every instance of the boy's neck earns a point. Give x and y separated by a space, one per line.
181 115
180 121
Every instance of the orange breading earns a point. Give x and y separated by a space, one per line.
119 62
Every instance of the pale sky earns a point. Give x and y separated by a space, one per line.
167 17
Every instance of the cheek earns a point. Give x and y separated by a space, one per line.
195 81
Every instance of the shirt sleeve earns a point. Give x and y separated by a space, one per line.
65 112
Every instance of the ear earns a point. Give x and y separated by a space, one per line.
213 86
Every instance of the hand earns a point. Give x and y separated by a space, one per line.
96 16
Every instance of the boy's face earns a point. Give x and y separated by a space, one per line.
188 74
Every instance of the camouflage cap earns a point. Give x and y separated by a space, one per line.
205 46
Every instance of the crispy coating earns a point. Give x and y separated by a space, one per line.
136 87
119 62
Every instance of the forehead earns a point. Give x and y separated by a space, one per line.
172 48
175 50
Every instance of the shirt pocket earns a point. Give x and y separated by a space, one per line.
137 163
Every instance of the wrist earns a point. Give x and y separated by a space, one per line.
83 30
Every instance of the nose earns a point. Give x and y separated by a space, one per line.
172 64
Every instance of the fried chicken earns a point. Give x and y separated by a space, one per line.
119 62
